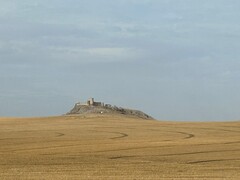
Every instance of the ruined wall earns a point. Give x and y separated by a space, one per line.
98 104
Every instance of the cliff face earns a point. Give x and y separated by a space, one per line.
107 109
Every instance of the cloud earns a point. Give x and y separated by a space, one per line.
107 54
114 52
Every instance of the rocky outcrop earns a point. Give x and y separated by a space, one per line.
106 109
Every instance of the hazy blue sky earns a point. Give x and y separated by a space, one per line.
173 59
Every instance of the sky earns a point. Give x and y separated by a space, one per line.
173 59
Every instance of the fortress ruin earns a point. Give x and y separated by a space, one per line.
92 107
90 102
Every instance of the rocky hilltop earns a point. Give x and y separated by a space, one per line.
92 107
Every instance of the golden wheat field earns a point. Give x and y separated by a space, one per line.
117 147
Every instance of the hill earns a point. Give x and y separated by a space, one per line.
92 107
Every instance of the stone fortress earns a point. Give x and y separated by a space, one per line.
92 107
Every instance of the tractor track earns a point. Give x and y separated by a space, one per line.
177 154
213 160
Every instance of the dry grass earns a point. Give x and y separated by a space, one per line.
115 147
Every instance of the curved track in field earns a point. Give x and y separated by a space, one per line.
120 134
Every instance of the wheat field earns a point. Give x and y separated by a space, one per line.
117 147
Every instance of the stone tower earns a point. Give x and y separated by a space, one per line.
91 101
